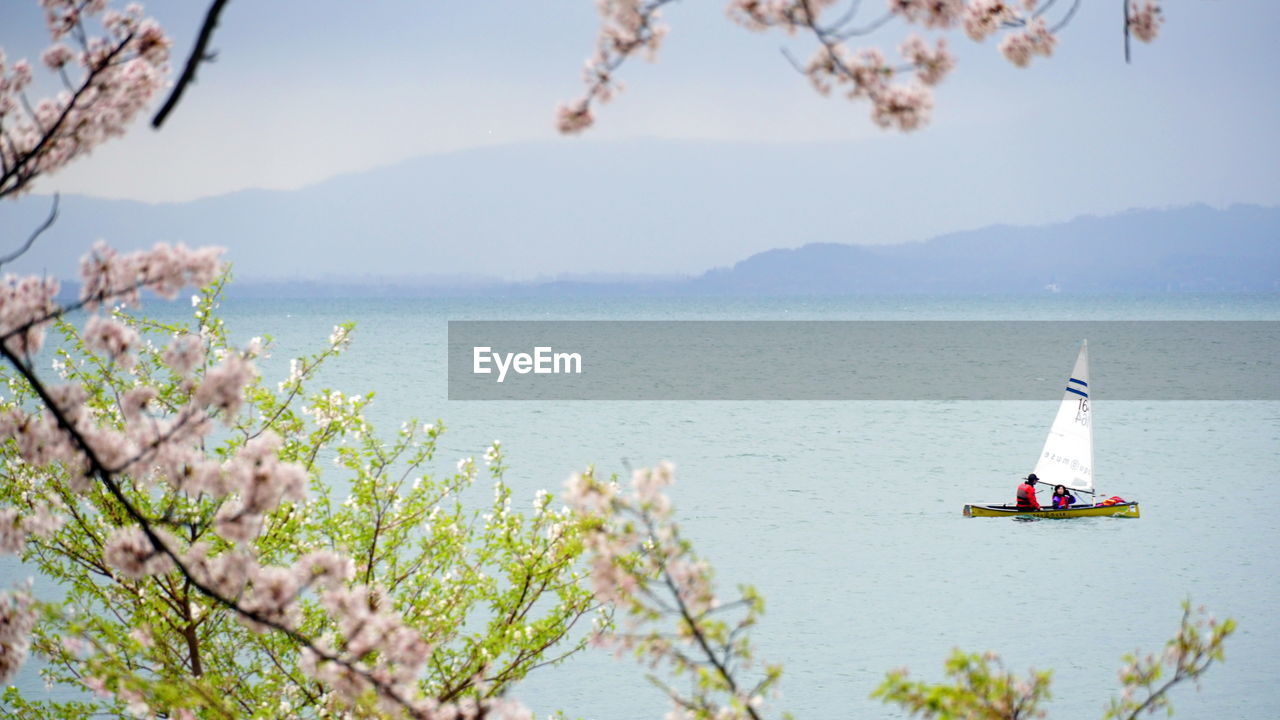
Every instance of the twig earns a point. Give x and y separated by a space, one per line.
48 222
1126 32
198 55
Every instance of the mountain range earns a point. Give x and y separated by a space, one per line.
650 217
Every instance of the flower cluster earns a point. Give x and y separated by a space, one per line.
932 65
627 27
109 79
931 14
17 619
111 337
134 554
164 269
863 72
260 482
1019 47
26 305
1145 19
982 18
15 529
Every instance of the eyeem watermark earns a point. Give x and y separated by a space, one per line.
543 361
860 360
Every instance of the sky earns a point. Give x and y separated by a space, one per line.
306 91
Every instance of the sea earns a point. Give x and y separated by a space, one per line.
846 515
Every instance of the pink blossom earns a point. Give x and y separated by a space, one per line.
184 354
869 72
112 337
131 553
272 597
866 70
649 485
1020 47
905 107
21 76
262 482
584 494
574 118
12 535
227 574
941 14
756 14
931 65
325 568
984 17
57 56
164 269
42 523
135 400
17 619
626 27
97 686
26 307
1145 19
223 385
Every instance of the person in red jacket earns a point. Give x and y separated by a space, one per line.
1027 493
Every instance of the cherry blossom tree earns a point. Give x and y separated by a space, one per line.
199 548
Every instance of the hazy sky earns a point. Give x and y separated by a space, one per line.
304 91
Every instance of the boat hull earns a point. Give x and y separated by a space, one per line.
1126 509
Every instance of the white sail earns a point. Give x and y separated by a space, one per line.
1067 458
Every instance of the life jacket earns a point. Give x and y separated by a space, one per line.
1062 501
1026 495
1113 500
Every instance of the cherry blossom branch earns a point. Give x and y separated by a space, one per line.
1190 653
199 54
11 180
1066 18
644 568
627 27
122 71
864 73
695 629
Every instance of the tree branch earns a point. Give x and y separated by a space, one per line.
198 55
53 215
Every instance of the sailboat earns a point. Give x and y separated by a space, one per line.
1067 458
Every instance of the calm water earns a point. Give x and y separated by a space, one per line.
847 515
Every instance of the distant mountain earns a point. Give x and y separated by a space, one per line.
1190 249
649 217
583 212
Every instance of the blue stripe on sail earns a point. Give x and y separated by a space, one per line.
1079 381
1081 394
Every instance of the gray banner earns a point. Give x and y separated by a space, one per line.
837 360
